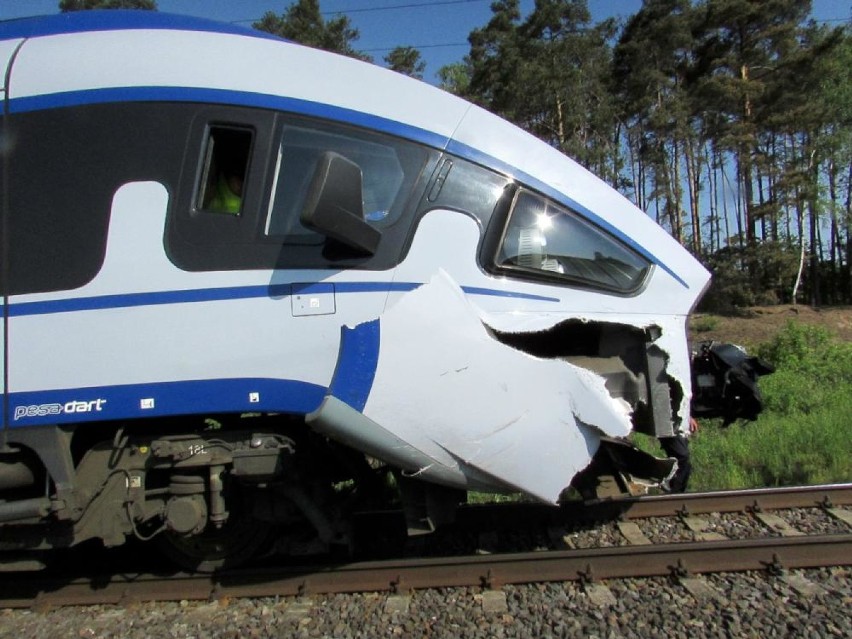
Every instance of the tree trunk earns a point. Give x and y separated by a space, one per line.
615 156
693 171
848 269
835 252
639 174
800 218
772 188
713 198
745 167
560 124
741 233
813 219
744 175
676 192
725 202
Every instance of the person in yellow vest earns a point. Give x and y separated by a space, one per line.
227 194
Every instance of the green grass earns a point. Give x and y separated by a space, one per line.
804 435
777 450
705 323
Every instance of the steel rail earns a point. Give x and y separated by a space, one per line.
739 501
506 515
729 501
489 571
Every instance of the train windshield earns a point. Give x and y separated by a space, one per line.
545 239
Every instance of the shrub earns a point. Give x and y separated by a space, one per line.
705 324
811 368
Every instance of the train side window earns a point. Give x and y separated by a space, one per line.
544 239
276 155
389 170
224 169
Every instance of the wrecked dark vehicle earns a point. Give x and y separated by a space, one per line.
725 382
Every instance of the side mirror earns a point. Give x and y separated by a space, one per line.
334 206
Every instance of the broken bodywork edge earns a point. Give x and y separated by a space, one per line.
530 429
356 364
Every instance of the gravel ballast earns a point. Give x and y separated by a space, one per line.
809 603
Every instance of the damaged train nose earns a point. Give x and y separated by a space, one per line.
460 404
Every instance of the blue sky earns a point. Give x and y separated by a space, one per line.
438 28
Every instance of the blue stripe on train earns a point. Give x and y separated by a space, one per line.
155 298
356 365
133 401
87 21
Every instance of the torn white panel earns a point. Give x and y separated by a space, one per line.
464 399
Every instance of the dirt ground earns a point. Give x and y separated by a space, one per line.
760 324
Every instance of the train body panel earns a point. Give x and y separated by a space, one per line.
137 318
538 308
195 226
213 67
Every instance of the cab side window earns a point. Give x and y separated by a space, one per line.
546 240
249 176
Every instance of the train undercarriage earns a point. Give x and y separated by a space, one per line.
216 490
211 496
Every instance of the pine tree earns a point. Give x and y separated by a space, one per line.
406 60
303 22
742 43
495 57
549 74
455 78
652 64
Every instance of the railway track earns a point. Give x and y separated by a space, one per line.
780 547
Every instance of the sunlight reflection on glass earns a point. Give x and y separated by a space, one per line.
544 221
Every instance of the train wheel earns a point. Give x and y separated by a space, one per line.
238 540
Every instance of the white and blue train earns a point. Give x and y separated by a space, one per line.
244 279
